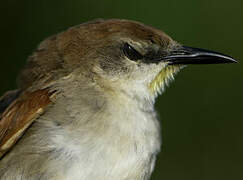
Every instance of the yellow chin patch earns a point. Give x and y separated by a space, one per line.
163 78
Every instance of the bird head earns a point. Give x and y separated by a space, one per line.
127 56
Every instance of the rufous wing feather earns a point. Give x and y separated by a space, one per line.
20 114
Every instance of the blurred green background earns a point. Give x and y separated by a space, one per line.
201 113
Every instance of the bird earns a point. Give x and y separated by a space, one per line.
84 106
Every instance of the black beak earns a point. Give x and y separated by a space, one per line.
189 55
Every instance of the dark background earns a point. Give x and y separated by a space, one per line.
201 112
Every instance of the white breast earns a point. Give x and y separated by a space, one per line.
120 143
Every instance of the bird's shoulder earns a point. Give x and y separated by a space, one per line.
18 110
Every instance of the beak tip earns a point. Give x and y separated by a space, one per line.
231 60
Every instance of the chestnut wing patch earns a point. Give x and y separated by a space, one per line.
20 114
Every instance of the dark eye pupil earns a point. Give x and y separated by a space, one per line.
131 53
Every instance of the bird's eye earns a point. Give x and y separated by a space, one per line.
131 53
